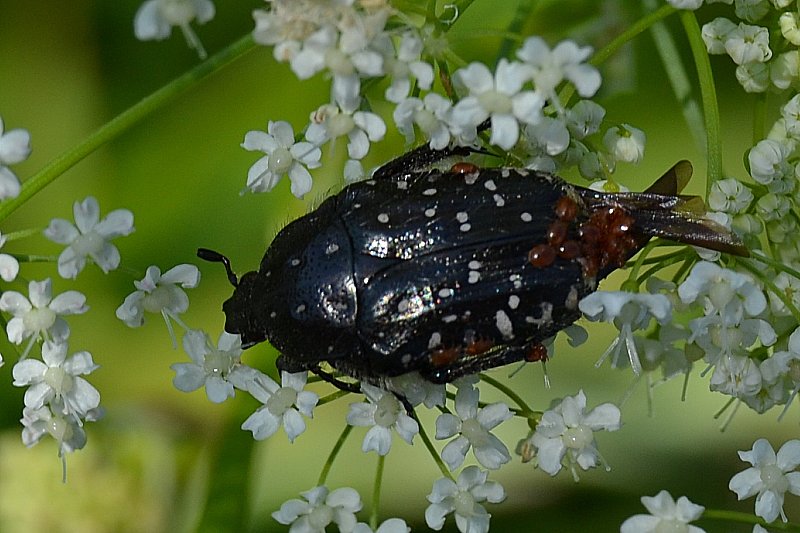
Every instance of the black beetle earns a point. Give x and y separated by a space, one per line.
446 273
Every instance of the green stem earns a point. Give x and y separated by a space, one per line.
708 92
434 454
123 122
507 391
376 494
334 452
332 397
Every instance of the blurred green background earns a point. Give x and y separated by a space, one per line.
163 460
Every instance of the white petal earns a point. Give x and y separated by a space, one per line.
148 23
263 424
40 292
550 452
61 231
505 130
9 183
14 303
117 223
300 179
9 267
87 214
447 425
218 390
492 415
80 363
379 439
15 146
293 424
476 77
187 275
259 141
188 376
69 303
455 451
28 371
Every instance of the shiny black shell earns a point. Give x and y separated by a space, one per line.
430 271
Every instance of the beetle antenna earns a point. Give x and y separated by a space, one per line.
216 257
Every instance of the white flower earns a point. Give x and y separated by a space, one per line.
584 118
283 405
566 433
625 143
66 430
218 369
716 33
40 317
155 18
157 293
283 156
89 237
768 161
770 477
729 195
498 97
753 77
720 286
331 121
565 61
383 412
403 65
431 115
392 525
15 147
319 508
9 266
473 427
58 380
629 312
665 515
751 10
464 498
748 44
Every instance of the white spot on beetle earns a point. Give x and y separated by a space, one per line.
403 305
490 184
356 206
295 262
516 279
513 301
435 340
445 293
546 317
499 201
462 216
370 182
405 359
503 324
402 185
273 314
429 192
330 348
471 178
526 217
332 248
504 172
449 318
383 218
300 308
474 265
474 276
465 227
430 212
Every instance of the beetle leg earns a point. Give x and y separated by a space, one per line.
336 382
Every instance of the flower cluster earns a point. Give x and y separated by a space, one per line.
351 41
58 399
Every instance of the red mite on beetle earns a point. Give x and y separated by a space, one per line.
447 273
